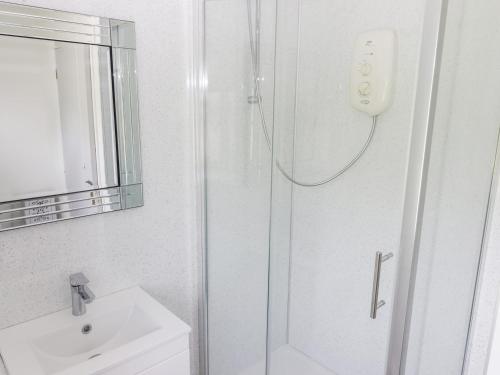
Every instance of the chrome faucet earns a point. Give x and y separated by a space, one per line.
80 293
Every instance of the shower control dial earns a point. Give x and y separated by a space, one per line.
365 89
365 69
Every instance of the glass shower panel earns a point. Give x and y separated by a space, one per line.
462 159
238 183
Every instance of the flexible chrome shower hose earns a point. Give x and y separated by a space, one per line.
341 171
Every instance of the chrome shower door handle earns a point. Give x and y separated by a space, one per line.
376 304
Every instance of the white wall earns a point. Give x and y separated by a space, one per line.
338 228
153 246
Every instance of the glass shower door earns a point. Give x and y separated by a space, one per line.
326 272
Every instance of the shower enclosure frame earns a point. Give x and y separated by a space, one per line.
416 179
197 86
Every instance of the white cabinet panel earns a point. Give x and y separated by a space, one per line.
178 365
163 354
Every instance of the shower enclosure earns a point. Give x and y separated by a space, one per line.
330 234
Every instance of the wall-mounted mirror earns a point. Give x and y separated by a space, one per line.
56 109
69 128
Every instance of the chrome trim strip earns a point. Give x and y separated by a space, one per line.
33 22
51 14
62 36
54 26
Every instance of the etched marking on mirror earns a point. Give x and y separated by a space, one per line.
61 207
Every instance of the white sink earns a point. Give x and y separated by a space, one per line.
122 327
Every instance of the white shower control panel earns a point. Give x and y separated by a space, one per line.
373 70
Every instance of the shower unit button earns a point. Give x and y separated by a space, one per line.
365 69
364 89
372 75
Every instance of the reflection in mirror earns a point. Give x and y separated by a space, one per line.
57 132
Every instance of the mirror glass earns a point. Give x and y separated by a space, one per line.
57 132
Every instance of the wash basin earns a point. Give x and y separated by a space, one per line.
99 334
115 331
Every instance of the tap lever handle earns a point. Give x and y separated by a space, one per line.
78 279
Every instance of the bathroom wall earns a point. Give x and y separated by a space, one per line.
338 228
153 246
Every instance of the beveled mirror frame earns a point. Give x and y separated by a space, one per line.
41 23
